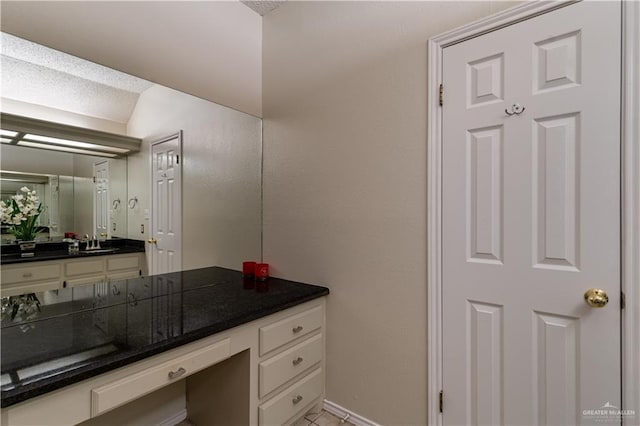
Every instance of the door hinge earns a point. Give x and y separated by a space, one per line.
177 159
441 97
441 397
94 179
623 300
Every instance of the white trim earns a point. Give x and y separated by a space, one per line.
174 419
630 195
434 236
341 412
631 205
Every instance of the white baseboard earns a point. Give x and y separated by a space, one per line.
174 419
342 412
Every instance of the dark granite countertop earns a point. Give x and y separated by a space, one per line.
85 331
59 250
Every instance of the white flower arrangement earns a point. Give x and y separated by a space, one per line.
21 212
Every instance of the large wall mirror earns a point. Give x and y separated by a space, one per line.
221 157
65 186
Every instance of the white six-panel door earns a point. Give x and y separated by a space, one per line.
101 199
166 206
531 219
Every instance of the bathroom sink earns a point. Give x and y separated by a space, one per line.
100 251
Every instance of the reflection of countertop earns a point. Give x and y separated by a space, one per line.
102 327
55 251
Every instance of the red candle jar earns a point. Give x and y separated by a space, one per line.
262 271
248 269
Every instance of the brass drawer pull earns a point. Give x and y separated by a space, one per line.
175 374
27 275
297 399
297 360
297 329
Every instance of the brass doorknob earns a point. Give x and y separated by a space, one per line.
596 298
152 241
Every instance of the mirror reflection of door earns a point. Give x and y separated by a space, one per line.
101 199
53 193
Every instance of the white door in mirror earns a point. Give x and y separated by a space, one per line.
101 199
165 242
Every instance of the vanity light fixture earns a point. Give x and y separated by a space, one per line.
35 133
63 148
75 144
8 133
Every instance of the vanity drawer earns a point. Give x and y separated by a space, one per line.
93 279
285 366
289 329
291 401
30 273
84 267
120 263
146 381
17 290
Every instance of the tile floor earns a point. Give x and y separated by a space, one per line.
323 418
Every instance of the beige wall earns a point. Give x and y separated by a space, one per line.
32 160
345 131
221 175
212 49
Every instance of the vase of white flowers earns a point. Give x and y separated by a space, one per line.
21 213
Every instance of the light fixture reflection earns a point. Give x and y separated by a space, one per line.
42 134
76 144
65 149
9 133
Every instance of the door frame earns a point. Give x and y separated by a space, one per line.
630 192
177 135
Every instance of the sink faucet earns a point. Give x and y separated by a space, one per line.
92 243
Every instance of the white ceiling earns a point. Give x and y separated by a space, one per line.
262 7
36 74
210 49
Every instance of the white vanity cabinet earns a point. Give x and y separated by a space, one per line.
38 276
24 278
291 368
124 267
83 271
269 371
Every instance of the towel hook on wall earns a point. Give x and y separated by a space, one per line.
133 202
